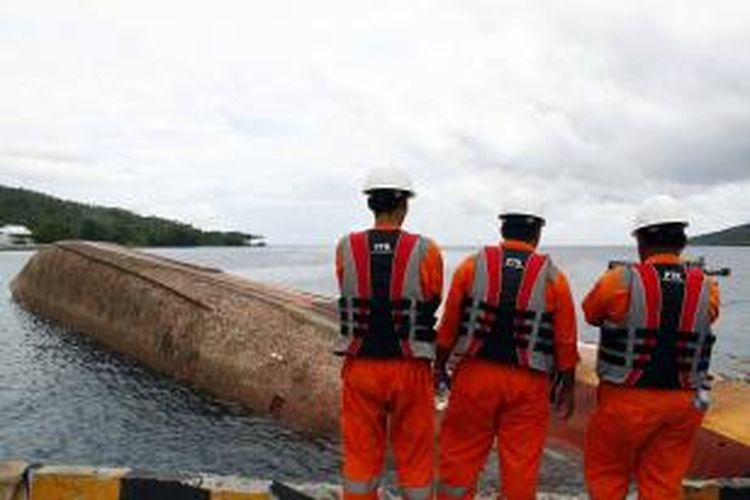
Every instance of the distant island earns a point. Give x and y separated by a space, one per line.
51 219
733 236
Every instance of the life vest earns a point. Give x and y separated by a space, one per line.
505 319
665 340
383 310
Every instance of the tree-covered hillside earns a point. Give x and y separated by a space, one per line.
52 219
733 236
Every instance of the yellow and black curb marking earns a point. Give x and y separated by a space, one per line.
22 481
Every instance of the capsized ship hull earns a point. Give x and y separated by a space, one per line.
260 346
723 445
269 348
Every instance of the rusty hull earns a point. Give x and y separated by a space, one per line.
243 341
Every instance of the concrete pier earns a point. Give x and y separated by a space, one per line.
23 481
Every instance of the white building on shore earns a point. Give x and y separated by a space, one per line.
15 236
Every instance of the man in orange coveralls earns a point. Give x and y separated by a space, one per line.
510 321
391 282
654 353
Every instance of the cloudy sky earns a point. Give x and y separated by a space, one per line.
265 115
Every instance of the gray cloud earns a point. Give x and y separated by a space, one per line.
265 116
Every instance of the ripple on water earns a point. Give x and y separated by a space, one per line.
75 402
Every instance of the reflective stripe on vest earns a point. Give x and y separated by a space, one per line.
410 318
521 322
665 340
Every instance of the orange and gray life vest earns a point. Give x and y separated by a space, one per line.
384 312
505 319
665 340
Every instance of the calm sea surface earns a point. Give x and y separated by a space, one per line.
63 399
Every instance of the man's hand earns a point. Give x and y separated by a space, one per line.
440 377
562 393
441 381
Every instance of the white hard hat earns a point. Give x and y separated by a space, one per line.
658 210
389 178
523 205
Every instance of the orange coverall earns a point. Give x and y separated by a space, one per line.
491 400
390 398
648 433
